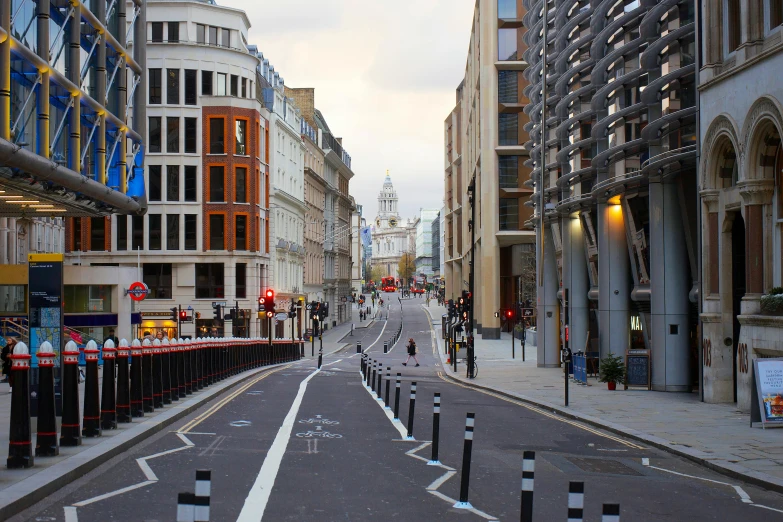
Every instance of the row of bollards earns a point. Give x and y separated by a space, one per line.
194 507
158 373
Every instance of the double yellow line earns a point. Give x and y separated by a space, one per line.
225 400
547 414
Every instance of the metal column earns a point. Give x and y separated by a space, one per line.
614 280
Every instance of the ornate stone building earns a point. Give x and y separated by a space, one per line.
390 236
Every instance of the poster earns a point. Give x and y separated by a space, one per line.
45 302
769 385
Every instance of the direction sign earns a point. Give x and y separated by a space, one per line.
138 291
281 316
527 312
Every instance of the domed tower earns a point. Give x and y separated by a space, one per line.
388 216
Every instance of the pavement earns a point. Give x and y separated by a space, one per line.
717 436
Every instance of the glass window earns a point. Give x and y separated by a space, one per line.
213 35
154 134
508 87
172 232
172 134
217 192
508 172
509 129
507 9
225 37
241 280
97 234
234 85
201 33
157 31
190 231
82 299
154 231
732 30
241 232
216 232
157 276
15 302
172 183
191 130
241 185
775 8
216 136
209 281
190 183
122 232
509 213
155 183
206 83
138 232
172 86
154 76
77 233
241 137
221 84
507 45
191 98
244 87
173 32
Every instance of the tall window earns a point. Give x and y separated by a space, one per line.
154 76
201 33
155 231
155 182
508 87
77 233
217 185
508 171
244 87
157 277
154 134
157 31
217 143
191 131
191 97
97 234
209 281
509 129
234 85
221 84
206 83
241 280
137 232
507 9
217 232
190 183
172 232
241 185
173 32
172 183
507 45
172 134
774 13
241 137
732 25
190 232
213 35
241 232
172 86
225 37
122 232
509 214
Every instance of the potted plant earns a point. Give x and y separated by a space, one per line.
611 371
772 302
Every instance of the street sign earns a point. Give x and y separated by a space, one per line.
527 312
138 291
307 307
281 316
218 303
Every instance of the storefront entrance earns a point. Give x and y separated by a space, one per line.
737 284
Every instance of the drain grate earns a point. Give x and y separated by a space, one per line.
608 466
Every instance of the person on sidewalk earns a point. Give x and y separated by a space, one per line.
111 337
5 355
411 352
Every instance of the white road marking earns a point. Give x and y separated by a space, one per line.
379 337
113 494
258 497
331 363
471 509
390 414
70 514
767 507
741 492
439 482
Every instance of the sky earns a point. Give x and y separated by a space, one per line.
385 75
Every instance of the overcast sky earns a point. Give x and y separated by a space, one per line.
384 73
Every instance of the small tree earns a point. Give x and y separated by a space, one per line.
406 267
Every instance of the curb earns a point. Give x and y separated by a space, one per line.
27 494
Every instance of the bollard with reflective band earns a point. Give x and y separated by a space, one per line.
397 398
146 379
123 382
187 367
435 429
91 421
46 441
108 390
385 346
611 513
411 408
20 444
186 507
379 391
203 493
181 360
70 429
157 375
165 367
198 382
136 380
467 450
388 387
528 483
358 347
372 380
174 369
576 501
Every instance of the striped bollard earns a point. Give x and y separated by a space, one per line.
388 387
366 369
157 374
358 347
186 507
576 501
611 513
411 408
174 369
379 392
123 382
146 376
136 378
91 420
46 442
397 398
435 430
165 366
467 450
109 390
20 440
528 476
385 346
203 492
372 381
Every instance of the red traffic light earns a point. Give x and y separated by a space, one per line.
183 315
270 294
509 313
261 300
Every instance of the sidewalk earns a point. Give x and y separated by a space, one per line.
715 435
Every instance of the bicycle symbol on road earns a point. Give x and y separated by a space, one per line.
318 420
319 433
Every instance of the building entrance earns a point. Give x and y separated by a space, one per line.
737 284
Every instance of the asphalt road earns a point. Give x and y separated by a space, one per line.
294 443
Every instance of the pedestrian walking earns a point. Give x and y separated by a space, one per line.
5 355
111 337
411 352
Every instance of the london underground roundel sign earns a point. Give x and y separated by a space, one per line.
138 291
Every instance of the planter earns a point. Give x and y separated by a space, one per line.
611 385
772 304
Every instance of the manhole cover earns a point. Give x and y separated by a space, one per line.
608 466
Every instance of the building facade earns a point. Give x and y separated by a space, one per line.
358 225
391 237
741 187
314 190
488 123
436 246
424 245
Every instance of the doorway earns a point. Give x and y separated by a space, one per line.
737 284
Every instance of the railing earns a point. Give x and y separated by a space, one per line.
664 155
628 176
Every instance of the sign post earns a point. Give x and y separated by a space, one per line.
767 391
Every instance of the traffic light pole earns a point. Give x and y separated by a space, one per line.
179 323
471 281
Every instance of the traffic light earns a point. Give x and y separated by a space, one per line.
452 309
292 310
183 315
261 304
510 314
217 312
174 311
269 302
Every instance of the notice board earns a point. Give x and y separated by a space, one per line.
637 368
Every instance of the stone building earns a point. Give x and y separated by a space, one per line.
314 190
391 237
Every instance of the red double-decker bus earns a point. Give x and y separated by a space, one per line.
388 284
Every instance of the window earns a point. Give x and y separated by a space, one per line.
241 137
87 298
155 182
206 83
157 31
172 232
190 231
507 45
172 134
244 87
190 183
138 232
191 130
154 134
508 171
241 232
241 185
77 233
234 85
172 86
732 25
216 136
509 129
216 232
225 37
209 281
97 234
155 231
174 32
201 33
217 189
172 183
122 232
508 87
774 13
190 87
221 84
155 85
507 9
241 280
509 213
212 35
157 276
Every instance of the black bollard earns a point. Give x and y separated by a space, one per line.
91 421
157 375
20 443
136 380
576 501
146 379
467 450
187 367
388 387
181 361
165 367
70 429
198 380
123 382
186 507
385 346
611 513
397 399
372 381
46 441
366 369
411 408
108 391
528 483
174 369
435 429
203 493
320 355
358 347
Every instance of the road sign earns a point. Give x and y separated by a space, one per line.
138 291
281 316
307 307
218 303
527 312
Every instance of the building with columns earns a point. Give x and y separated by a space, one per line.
391 237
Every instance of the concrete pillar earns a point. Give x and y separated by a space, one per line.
548 322
614 281
575 280
670 284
